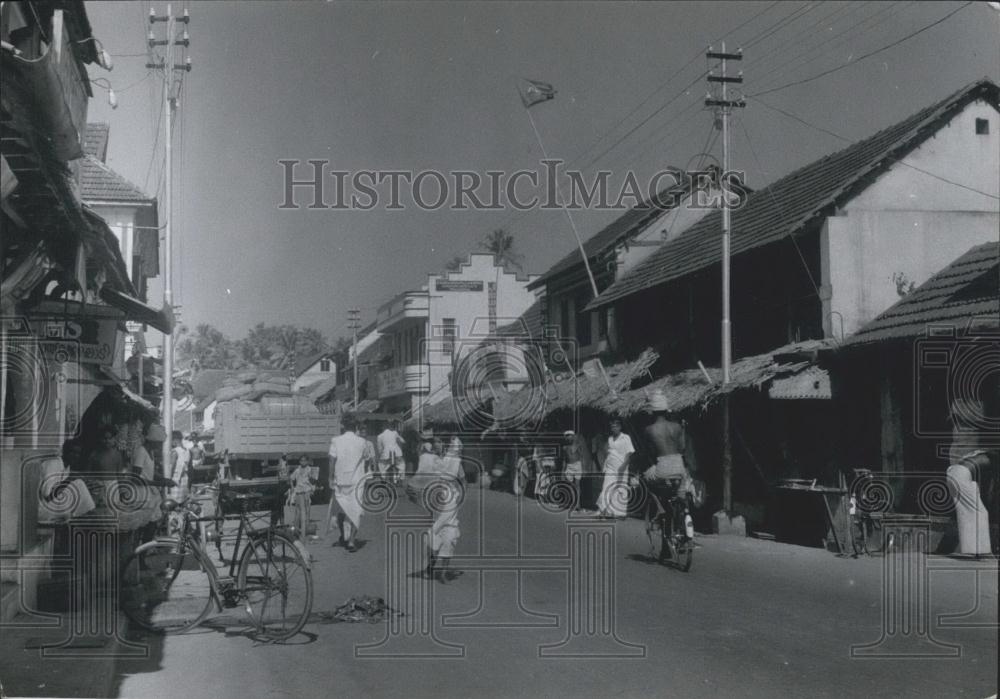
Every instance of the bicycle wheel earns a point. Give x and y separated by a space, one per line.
165 587
278 586
683 552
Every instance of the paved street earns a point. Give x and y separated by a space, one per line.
751 618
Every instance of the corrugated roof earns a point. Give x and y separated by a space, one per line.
632 221
98 182
964 295
784 207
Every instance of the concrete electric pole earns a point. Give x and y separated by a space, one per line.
354 323
720 100
169 104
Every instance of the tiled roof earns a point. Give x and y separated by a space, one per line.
303 364
529 324
964 295
95 141
784 207
629 223
98 182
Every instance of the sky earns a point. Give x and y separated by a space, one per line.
418 86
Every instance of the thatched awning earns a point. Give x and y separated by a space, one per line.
612 392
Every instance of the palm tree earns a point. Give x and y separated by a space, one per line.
455 263
500 244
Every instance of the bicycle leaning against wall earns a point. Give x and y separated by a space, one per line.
171 585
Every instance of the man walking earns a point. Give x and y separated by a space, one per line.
347 477
390 453
572 459
442 474
180 461
613 501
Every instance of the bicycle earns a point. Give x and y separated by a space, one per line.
866 525
669 513
170 585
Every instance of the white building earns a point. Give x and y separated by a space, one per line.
312 370
425 332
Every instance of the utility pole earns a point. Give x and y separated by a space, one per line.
169 103
724 106
354 323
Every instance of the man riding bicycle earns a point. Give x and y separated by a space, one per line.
669 476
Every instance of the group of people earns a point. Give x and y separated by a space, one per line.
664 444
354 462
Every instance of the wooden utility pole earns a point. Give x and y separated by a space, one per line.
724 106
169 104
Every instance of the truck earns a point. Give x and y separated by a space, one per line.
252 437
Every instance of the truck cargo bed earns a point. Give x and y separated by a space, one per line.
305 433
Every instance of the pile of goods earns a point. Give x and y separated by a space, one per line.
363 609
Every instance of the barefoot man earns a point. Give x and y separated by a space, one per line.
347 481
670 444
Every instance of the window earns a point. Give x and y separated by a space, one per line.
982 127
602 324
448 333
324 365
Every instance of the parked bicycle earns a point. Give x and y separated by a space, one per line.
171 585
866 522
668 516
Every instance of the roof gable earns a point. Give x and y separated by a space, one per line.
98 182
785 206
632 221
303 365
95 140
963 295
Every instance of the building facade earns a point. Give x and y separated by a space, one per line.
427 332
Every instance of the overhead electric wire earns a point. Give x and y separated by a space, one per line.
793 63
848 140
804 35
789 19
869 54
790 234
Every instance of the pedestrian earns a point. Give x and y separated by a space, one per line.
390 452
441 474
572 463
453 457
144 466
197 451
968 461
347 481
613 500
300 490
180 461
371 461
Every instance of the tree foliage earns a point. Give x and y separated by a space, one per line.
264 347
500 244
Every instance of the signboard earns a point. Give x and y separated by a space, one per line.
458 285
133 326
392 381
87 340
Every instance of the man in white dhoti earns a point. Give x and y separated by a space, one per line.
347 482
390 453
438 480
613 501
970 512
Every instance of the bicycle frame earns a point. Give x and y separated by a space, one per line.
189 539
